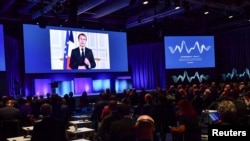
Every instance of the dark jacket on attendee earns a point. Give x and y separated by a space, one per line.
49 129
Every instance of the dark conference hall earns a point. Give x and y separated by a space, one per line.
142 70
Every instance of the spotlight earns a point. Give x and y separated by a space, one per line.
177 5
206 12
145 2
230 15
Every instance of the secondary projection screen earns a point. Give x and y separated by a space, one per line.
189 52
2 53
48 50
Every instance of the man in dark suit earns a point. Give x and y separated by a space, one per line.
82 57
122 129
10 124
9 112
48 129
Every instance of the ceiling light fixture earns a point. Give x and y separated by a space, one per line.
230 16
206 12
145 2
177 5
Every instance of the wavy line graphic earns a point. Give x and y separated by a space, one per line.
189 78
200 48
234 74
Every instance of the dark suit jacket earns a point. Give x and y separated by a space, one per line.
49 129
9 113
122 130
76 59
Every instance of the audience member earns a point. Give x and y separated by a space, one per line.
197 101
48 129
106 111
164 116
56 106
3 101
227 111
148 106
104 129
246 99
26 113
35 105
10 124
144 128
72 103
188 123
84 100
96 114
122 129
66 113
9 112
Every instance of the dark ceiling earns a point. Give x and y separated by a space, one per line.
128 15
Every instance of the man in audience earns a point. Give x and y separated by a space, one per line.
3 101
122 129
48 129
9 112
144 128
9 121
104 130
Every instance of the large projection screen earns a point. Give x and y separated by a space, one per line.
46 49
189 52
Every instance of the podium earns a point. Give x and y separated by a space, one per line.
54 86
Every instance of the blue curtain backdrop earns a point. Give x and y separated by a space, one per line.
147 65
14 65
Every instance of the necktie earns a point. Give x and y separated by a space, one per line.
82 52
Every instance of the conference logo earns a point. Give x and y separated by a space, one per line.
189 51
189 77
183 47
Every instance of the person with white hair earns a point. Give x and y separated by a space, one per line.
227 112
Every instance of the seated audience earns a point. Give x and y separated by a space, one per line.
48 129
